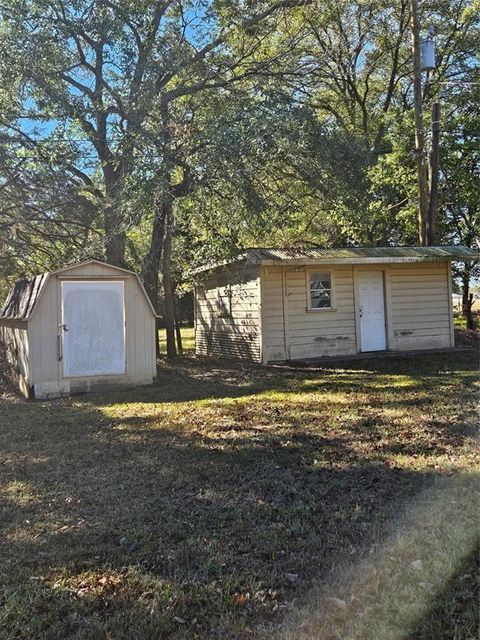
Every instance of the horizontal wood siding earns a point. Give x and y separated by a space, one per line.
417 299
417 312
15 339
327 332
272 314
420 306
291 330
227 314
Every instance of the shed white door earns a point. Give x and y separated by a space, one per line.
93 316
372 311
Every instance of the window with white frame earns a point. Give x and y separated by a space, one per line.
320 290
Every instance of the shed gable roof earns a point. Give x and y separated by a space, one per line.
22 298
25 293
348 255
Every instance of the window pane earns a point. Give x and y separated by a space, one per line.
320 299
320 281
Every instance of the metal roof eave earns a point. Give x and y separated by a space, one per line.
358 260
243 257
252 257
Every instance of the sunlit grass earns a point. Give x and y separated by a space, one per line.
188 340
233 502
21 493
391 591
459 320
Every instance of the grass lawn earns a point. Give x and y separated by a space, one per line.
232 503
188 339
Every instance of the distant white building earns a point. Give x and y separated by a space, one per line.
457 301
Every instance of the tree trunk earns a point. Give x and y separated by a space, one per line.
161 238
114 240
178 332
169 314
152 261
467 301
114 232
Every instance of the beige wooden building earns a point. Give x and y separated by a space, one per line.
85 327
273 305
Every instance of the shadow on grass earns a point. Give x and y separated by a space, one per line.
455 611
142 527
189 379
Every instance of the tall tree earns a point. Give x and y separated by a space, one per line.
460 179
224 121
44 216
118 80
361 79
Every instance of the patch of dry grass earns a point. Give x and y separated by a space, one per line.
229 502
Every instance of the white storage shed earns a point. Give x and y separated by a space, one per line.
90 326
273 305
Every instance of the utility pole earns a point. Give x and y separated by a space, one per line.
433 174
419 132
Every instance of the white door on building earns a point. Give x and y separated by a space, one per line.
372 311
93 328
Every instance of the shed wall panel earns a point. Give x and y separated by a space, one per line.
227 314
420 306
326 332
15 339
417 300
273 321
291 330
42 333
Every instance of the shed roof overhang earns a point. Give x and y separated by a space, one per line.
350 255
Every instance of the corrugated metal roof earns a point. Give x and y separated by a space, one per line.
311 253
22 298
349 255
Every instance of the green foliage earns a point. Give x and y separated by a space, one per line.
283 126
